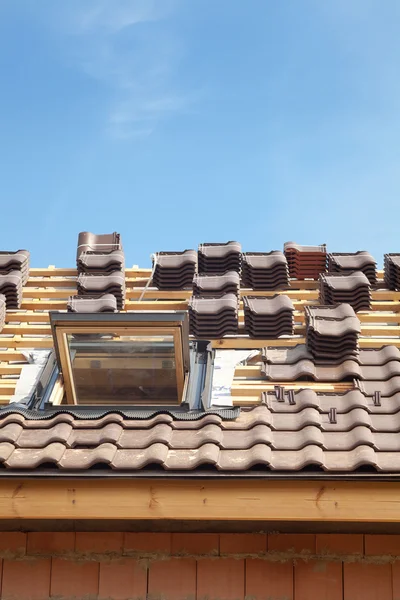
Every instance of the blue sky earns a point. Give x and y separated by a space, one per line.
177 122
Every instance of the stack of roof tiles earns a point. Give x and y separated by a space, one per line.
392 271
265 270
305 262
332 332
174 270
106 303
352 289
347 263
268 317
213 317
219 258
207 286
2 311
11 287
101 264
15 261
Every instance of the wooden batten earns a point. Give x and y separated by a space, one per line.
48 289
200 499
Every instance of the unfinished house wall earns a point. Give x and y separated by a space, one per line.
206 566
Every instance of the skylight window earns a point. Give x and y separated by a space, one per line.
122 358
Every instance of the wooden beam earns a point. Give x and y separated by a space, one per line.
12 355
366 330
241 343
6 369
200 499
60 272
17 341
255 388
167 302
43 305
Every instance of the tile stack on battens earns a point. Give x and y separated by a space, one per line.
214 306
101 267
212 318
347 263
354 289
174 270
332 332
15 261
217 259
269 317
11 288
305 262
265 270
392 271
14 273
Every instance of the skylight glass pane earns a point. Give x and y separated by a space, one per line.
123 369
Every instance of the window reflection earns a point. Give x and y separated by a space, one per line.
123 369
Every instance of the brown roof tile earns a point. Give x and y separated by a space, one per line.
92 242
101 263
11 287
15 261
268 317
352 289
392 271
307 368
84 458
215 258
174 270
30 458
265 270
209 285
347 263
112 283
213 317
39 438
305 262
87 304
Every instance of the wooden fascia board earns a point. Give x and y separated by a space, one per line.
194 499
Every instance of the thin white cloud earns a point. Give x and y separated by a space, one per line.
128 47
112 16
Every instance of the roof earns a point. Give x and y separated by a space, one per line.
332 432
323 396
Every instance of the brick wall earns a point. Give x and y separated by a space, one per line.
206 566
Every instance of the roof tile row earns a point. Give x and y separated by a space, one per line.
335 432
292 355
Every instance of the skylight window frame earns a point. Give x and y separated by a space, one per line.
146 323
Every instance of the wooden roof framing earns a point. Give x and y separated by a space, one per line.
49 288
